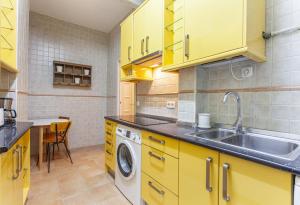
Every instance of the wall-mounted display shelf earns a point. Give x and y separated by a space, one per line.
71 74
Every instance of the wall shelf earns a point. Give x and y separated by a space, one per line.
71 74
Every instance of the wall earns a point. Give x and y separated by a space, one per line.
52 39
271 97
152 96
112 71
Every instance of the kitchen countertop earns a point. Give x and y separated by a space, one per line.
10 134
176 131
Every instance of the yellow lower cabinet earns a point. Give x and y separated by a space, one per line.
247 183
154 193
6 178
198 175
161 167
110 143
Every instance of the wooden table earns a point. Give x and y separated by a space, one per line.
41 124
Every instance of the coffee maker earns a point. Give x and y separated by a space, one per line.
10 114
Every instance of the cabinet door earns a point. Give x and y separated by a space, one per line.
126 40
148 31
248 183
139 32
154 26
212 27
6 178
26 165
198 175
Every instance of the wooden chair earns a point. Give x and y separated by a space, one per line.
56 136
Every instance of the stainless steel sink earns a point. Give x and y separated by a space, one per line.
263 144
268 145
214 134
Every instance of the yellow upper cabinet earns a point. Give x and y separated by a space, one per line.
8 39
215 30
126 40
198 175
246 183
147 28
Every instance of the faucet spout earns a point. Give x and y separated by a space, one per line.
239 120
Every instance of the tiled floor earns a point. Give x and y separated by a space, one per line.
83 183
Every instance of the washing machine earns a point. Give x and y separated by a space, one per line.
128 163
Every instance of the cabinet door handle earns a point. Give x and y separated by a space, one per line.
20 158
108 133
156 140
129 50
161 192
107 142
147 44
208 171
108 152
142 46
156 157
15 170
187 46
108 123
226 167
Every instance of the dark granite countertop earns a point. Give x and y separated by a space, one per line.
176 131
10 134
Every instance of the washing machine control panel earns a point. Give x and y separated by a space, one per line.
131 134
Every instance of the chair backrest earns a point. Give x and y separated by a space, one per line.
63 117
60 129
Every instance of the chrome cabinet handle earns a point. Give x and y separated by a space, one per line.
16 171
161 192
107 142
129 50
108 133
142 46
187 46
156 157
147 44
157 140
226 167
208 165
20 158
108 152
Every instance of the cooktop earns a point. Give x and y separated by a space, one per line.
144 121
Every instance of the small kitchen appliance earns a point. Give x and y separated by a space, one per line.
9 113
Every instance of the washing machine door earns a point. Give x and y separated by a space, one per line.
126 160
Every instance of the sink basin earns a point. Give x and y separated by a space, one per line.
214 134
262 144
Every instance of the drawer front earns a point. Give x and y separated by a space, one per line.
109 124
162 143
155 194
161 167
109 158
109 138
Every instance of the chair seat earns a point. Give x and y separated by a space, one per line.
51 138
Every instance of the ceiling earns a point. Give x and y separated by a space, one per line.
102 15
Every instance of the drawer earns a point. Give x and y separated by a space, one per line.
162 143
155 194
109 159
109 145
161 167
109 124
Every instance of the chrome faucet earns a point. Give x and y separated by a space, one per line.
238 123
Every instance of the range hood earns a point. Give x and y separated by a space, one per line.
150 60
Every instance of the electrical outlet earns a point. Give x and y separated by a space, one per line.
247 72
171 105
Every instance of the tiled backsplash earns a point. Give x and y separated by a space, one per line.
270 98
152 96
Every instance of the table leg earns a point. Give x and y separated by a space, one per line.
41 136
